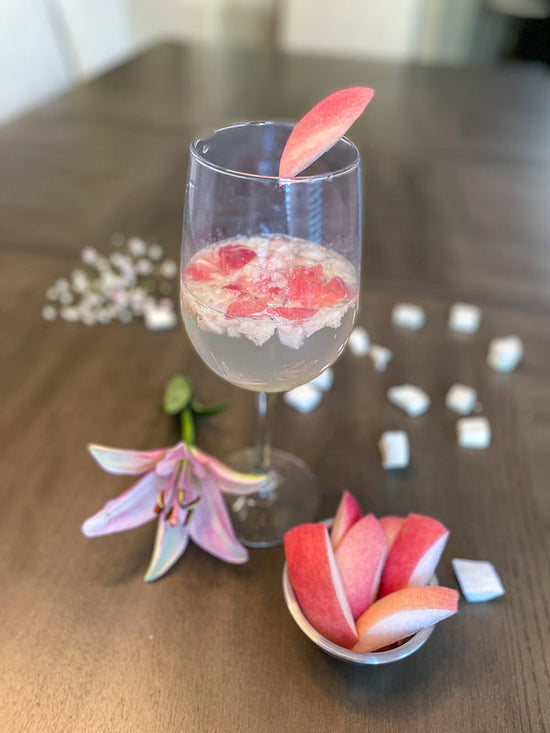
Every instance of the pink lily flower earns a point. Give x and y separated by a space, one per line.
181 487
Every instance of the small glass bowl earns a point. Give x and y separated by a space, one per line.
340 652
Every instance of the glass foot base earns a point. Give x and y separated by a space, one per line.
290 497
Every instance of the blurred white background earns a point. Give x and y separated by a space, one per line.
47 46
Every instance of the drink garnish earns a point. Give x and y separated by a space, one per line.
321 127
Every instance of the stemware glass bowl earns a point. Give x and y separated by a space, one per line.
269 290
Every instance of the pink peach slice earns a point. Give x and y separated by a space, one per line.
347 514
414 555
391 526
321 127
360 557
317 584
402 614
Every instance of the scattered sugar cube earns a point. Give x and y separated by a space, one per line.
464 318
394 449
412 400
407 315
473 432
505 353
478 580
359 341
380 356
304 398
324 381
461 399
158 319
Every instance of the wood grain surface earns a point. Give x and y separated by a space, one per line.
456 201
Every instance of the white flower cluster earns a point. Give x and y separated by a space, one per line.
132 281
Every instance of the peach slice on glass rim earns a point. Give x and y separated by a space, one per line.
321 127
317 584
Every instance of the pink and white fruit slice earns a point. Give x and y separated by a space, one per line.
317 583
347 514
360 557
321 127
402 614
391 526
414 555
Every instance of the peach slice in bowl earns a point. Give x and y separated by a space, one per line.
394 654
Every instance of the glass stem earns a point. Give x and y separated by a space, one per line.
266 408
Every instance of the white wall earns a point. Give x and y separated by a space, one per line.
383 28
48 45
101 33
32 66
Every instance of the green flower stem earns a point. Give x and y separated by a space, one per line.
187 423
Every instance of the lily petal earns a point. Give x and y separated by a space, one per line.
170 544
131 509
167 465
210 526
228 480
129 462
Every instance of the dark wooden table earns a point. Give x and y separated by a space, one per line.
457 173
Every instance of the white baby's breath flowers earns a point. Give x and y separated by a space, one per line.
89 255
144 267
155 252
137 246
121 285
169 269
49 313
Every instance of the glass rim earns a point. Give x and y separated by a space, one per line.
193 149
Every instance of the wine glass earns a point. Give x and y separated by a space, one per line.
269 289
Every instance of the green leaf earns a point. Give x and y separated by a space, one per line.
177 395
187 427
206 411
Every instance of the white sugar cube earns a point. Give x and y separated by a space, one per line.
473 432
505 353
478 580
380 356
158 318
464 318
394 449
304 398
412 400
461 399
324 381
407 315
359 341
